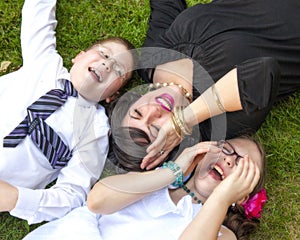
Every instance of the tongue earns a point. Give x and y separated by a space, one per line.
215 175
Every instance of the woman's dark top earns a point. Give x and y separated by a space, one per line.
252 35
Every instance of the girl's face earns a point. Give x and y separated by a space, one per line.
100 71
227 160
153 109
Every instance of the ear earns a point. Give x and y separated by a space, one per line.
108 100
74 60
243 200
113 97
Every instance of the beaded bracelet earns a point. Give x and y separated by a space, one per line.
178 173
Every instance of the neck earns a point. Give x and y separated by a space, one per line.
179 193
172 77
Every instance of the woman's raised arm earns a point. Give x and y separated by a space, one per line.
118 191
215 100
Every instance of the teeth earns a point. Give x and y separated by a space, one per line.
165 102
220 171
97 75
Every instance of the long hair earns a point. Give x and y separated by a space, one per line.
127 145
126 151
236 220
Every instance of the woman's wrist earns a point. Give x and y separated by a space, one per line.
189 117
179 123
177 171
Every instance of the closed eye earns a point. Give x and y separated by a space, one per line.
103 54
136 114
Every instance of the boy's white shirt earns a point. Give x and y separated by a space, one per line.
82 125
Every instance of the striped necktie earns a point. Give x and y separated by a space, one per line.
44 137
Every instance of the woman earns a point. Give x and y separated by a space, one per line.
234 176
247 37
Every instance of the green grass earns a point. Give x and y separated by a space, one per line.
83 22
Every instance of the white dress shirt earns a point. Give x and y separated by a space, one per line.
154 217
82 125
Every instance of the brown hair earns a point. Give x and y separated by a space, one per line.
120 40
236 220
128 145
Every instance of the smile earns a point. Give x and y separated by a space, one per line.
217 172
166 101
97 74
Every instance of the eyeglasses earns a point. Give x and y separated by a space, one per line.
229 150
118 68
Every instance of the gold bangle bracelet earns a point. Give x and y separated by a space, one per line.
178 112
175 126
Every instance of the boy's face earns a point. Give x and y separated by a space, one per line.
100 71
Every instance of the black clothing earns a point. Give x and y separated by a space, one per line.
260 38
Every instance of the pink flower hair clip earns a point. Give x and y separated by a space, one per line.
253 207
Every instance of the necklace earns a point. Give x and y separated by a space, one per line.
185 92
187 190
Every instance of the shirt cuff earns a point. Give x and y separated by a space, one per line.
27 204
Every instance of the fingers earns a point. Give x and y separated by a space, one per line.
195 160
248 173
167 144
151 162
253 174
166 138
188 155
241 182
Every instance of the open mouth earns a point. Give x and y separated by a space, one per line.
217 172
96 74
166 101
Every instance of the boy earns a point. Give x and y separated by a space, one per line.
79 124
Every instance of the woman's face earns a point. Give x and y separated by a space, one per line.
227 161
152 110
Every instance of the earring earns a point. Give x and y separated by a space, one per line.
233 206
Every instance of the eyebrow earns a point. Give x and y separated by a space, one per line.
234 149
137 112
107 48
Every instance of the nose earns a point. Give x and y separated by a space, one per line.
108 64
151 113
229 160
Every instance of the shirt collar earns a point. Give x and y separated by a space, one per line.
162 204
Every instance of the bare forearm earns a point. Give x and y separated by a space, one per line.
8 196
208 221
227 88
206 106
116 192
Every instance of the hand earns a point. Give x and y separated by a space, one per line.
8 196
191 156
166 140
240 183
